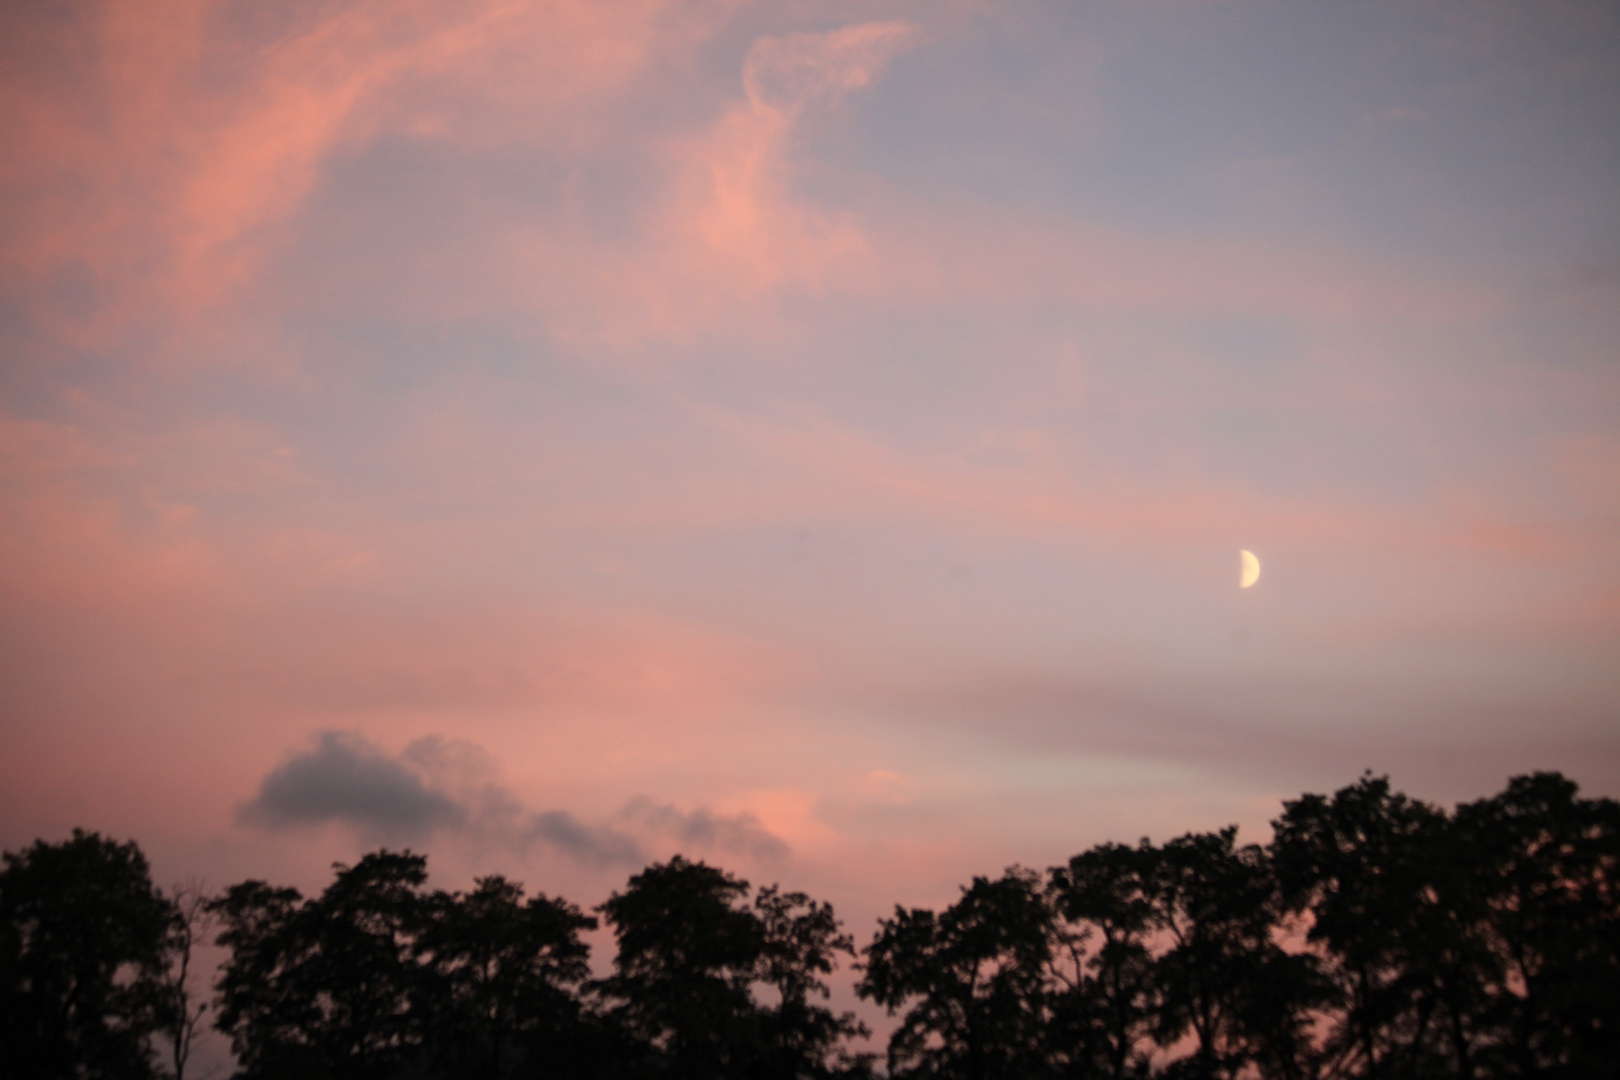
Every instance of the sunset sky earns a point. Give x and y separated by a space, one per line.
816 437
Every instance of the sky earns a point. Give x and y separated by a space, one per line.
816 437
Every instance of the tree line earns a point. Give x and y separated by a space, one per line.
1376 936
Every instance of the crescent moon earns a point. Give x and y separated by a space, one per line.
1251 569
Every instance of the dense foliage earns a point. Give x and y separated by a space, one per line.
83 938
1375 937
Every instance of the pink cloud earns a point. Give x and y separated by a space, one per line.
209 163
170 179
731 234
165 169
747 216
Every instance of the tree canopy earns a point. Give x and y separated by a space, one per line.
82 952
1376 936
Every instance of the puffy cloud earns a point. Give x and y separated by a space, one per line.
442 785
346 779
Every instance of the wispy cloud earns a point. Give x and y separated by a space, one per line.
155 176
588 843
740 833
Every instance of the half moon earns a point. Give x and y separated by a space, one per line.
1251 569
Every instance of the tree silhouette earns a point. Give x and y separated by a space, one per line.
1106 1018
324 987
687 954
693 962
501 976
1376 938
1357 863
801 941
1385 882
180 1013
82 936
1544 871
1223 978
977 973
